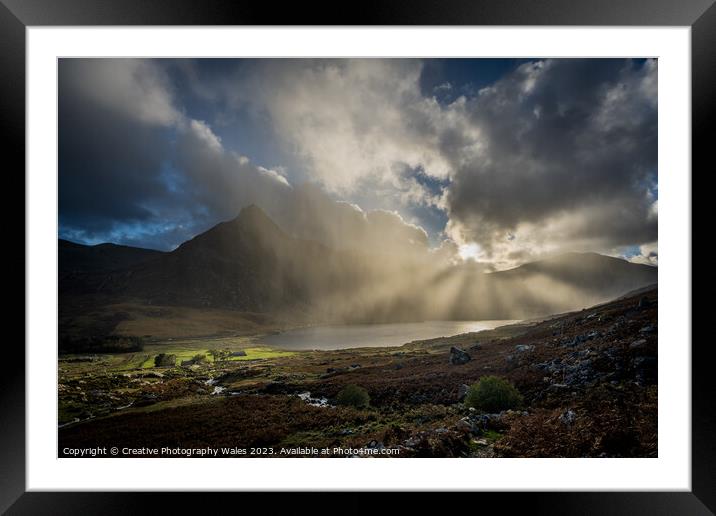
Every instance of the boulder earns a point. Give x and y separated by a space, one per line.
468 426
523 348
568 417
458 356
462 391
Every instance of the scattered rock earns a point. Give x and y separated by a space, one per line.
239 353
458 356
568 417
470 425
523 348
574 342
316 402
464 425
648 329
579 339
462 392
638 344
644 303
558 387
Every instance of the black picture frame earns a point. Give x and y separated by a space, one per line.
17 15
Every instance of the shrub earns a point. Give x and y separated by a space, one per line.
354 396
199 358
219 354
493 394
165 360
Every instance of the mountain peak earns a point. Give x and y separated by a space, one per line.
254 216
255 220
252 210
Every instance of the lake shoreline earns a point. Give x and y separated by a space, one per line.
371 335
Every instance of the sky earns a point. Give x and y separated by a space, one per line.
496 161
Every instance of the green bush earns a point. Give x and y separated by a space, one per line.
199 358
354 396
493 394
219 354
165 360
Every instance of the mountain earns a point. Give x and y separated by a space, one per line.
246 264
558 284
250 264
78 258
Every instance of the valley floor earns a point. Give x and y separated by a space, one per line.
588 380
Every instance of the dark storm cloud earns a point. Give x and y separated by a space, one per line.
110 160
566 144
512 160
136 168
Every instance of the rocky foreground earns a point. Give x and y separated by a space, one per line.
588 380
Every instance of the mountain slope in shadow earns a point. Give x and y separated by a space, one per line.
250 264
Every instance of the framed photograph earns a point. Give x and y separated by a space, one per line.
436 249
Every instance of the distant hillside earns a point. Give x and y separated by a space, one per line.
78 258
249 264
558 284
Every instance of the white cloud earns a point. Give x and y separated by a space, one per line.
567 157
352 121
648 254
556 156
204 133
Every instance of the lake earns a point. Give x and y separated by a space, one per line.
372 335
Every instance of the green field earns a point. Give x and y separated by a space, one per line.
184 349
